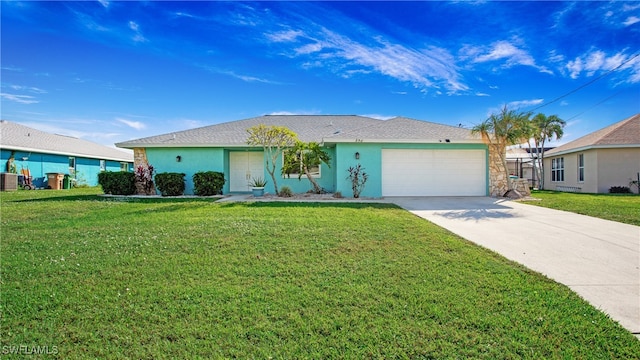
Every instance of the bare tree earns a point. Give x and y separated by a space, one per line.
273 139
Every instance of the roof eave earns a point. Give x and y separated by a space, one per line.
185 145
405 141
592 147
65 153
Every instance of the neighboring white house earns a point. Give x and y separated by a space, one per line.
596 162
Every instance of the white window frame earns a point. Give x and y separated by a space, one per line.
124 166
316 174
72 165
103 165
581 168
557 169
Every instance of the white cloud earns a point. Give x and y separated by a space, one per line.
247 78
429 67
574 67
482 94
524 103
506 51
231 73
104 3
629 7
284 36
631 20
31 89
22 99
137 36
378 116
133 124
192 124
594 62
598 61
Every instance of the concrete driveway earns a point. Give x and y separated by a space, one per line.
598 259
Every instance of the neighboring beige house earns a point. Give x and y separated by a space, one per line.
596 162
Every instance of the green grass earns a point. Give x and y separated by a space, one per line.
624 208
167 278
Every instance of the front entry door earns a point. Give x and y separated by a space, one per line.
244 165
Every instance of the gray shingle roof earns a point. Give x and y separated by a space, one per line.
319 128
14 136
625 133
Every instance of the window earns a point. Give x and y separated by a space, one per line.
103 165
314 170
557 170
124 166
72 165
581 168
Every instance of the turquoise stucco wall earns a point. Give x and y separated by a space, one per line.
192 160
333 178
39 164
371 161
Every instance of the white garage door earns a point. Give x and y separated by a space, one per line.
433 172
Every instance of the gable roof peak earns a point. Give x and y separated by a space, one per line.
622 133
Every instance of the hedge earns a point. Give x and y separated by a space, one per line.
117 182
207 183
170 184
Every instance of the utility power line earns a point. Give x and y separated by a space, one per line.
588 83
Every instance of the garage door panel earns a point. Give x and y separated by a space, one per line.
433 172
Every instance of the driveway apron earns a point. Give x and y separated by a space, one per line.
598 259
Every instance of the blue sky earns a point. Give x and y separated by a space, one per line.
109 71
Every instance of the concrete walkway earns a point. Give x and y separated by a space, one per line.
598 259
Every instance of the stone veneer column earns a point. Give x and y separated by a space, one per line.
498 182
140 159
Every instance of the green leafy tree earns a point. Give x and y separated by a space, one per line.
273 139
506 128
301 158
543 128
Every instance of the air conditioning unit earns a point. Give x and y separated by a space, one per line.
8 182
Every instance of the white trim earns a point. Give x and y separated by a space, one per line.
63 153
589 147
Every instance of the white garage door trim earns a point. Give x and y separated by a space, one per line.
430 172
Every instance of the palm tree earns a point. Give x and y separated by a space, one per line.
301 158
509 127
544 128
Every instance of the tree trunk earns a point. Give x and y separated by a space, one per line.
316 188
271 170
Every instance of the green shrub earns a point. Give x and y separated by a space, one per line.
619 190
207 183
285 191
117 182
170 184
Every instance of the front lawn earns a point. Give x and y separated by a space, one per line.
624 208
103 278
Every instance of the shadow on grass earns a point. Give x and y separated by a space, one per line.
120 199
308 204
